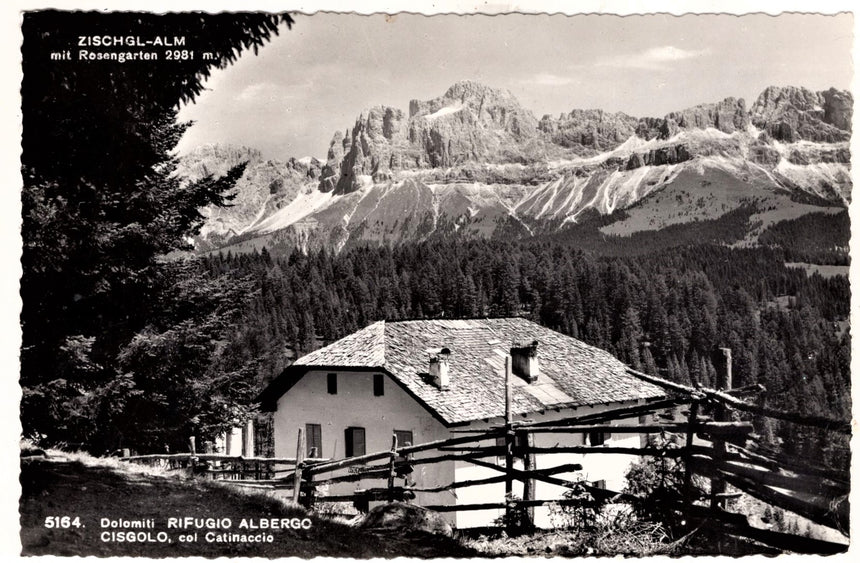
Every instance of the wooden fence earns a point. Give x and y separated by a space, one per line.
714 446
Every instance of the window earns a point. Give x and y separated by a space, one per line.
313 440
404 438
598 438
332 383
378 385
601 484
355 441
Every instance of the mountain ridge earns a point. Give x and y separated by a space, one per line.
473 159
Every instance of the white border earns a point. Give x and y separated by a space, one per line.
10 207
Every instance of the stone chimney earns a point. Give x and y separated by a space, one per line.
525 361
439 375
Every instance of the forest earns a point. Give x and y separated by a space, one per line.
664 313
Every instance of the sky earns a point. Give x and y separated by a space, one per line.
310 81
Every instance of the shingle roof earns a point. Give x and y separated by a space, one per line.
572 373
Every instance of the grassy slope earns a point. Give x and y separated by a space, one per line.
82 487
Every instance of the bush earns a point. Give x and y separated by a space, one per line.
518 522
584 515
658 483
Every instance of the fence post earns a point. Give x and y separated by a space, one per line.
248 439
688 466
300 457
528 441
391 467
311 495
192 444
721 414
509 446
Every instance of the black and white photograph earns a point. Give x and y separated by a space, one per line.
430 282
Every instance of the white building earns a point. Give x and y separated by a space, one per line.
423 379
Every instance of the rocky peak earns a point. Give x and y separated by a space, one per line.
777 100
472 102
790 113
728 116
379 122
364 151
215 159
464 93
838 108
470 122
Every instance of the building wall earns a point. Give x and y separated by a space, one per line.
308 401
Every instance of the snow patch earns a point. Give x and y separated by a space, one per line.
573 198
299 208
258 217
448 110
364 181
553 188
753 131
632 144
712 133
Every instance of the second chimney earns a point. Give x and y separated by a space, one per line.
439 368
525 361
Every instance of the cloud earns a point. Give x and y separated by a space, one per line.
655 58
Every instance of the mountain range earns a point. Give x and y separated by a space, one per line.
475 162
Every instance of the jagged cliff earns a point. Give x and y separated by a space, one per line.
469 123
474 160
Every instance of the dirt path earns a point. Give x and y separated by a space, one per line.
101 496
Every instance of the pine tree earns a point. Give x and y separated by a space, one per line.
101 207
